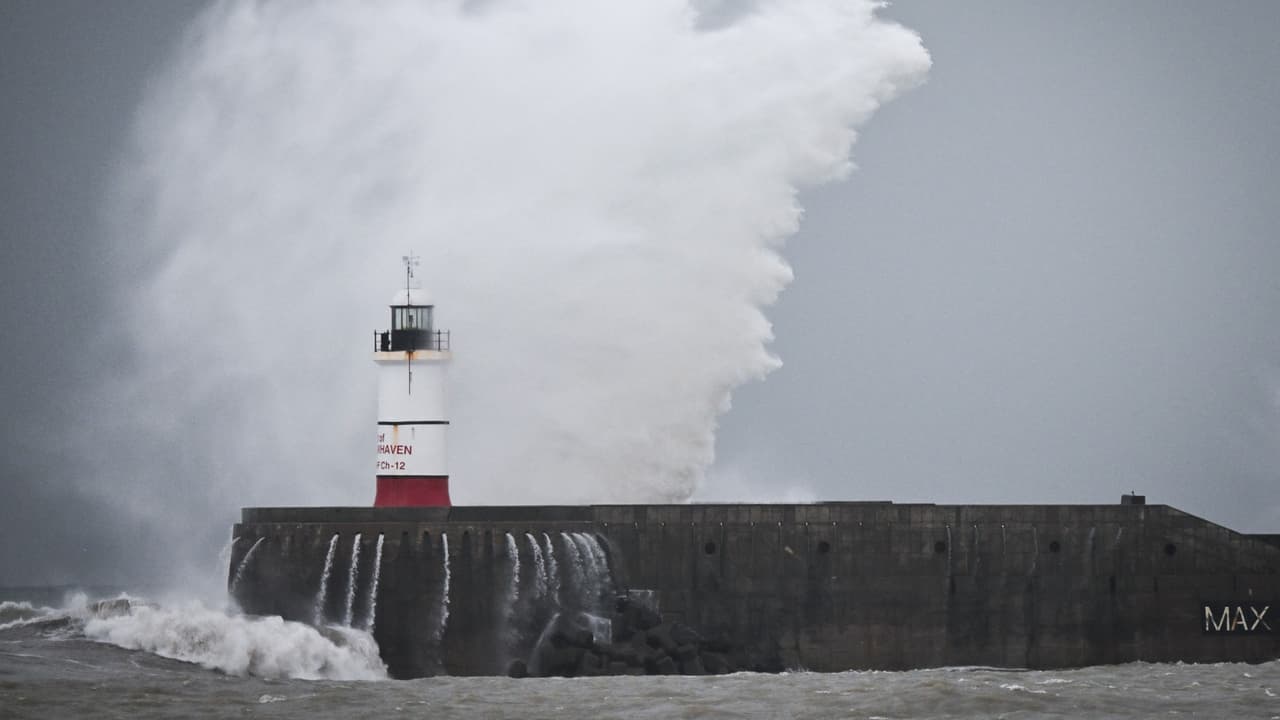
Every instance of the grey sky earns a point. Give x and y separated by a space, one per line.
1052 278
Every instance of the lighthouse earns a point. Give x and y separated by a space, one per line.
412 358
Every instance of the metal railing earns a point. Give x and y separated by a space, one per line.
409 340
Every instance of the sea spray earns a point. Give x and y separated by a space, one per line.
539 568
604 579
244 563
649 146
322 594
553 569
353 574
267 647
513 590
513 557
16 613
577 574
592 585
371 600
596 584
601 628
224 555
590 573
442 612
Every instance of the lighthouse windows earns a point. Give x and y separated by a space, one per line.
411 318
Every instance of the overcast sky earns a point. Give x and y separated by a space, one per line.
1053 277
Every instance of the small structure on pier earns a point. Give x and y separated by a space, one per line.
413 359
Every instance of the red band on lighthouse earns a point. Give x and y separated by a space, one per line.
412 492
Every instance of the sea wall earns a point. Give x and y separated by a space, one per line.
827 586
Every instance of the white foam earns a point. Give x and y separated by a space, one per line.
322 594
267 647
553 570
623 176
442 622
17 614
353 575
371 601
539 567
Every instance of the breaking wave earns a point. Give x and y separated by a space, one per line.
230 642
599 192
17 614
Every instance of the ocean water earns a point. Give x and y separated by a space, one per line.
125 656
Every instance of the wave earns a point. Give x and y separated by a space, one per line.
261 646
17 614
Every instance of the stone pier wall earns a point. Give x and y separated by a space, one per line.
825 587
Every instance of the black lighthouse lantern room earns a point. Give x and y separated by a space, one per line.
412 325
412 328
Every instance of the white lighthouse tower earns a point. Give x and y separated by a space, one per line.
412 357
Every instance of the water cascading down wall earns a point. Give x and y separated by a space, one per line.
713 588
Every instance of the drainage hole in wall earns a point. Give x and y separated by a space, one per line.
940 547
1054 546
824 547
709 548
1170 548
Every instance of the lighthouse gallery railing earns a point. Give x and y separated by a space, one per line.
402 340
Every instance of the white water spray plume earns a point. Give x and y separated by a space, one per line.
599 193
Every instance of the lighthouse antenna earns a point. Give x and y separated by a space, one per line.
411 261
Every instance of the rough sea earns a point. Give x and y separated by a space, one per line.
122 656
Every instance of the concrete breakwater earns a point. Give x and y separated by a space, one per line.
712 588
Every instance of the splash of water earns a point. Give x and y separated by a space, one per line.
244 563
442 611
322 594
535 661
224 555
649 145
553 569
599 564
371 600
601 628
353 574
215 638
539 568
15 613
267 647
589 568
575 569
513 591
590 572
